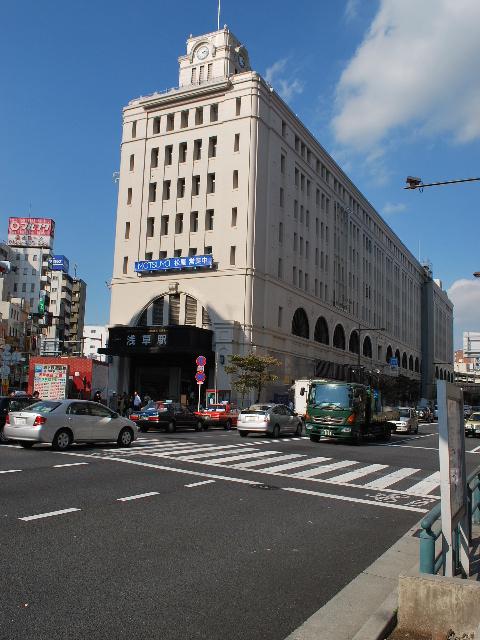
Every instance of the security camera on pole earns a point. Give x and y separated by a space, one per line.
200 375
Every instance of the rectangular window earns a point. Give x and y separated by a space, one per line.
154 158
197 150
181 188
156 125
280 268
170 121
194 76
177 253
150 227
168 155
213 112
127 230
282 164
162 255
164 226
280 316
148 256
199 115
152 193
208 251
238 106
236 144
212 147
306 282
182 152
134 129
232 256
196 186
209 217
295 209
280 232
284 129
295 242
294 276
184 120
125 264
194 222
192 252
179 223
132 162
201 75
234 217
235 179
282 198
209 71
297 178
211 183
166 189
129 195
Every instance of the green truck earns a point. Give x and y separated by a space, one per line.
345 410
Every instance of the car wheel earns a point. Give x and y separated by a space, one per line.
299 430
276 431
62 440
199 425
125 437
387 434
170 427
228 425
409 430
314 437
416 430
144 429
243 434
357 438
3 437
26 444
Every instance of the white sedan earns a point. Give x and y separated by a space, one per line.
61 422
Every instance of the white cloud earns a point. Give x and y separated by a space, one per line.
416 69
287 85
465 295
391 208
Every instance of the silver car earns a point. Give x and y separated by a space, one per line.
268 418
61 422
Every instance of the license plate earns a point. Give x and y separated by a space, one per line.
21 421
327 432
143 418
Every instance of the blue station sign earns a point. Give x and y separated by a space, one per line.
60 263
189 262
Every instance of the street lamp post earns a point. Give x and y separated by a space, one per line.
416 183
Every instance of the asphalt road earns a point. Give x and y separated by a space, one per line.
200 535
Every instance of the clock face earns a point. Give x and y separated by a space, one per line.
241 60
202 53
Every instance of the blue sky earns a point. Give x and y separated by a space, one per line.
388 88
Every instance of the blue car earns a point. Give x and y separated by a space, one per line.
166 415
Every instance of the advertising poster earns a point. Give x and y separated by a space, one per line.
31 232
51 381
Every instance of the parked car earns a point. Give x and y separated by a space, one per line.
61 422
220 415
162 414
12 403
269 418
467 410
407 422
472 425
424 414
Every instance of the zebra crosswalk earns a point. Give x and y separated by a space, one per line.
247 457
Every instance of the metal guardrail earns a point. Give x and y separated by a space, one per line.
431 561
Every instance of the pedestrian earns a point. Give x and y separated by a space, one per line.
290 405
36 395
113 403
97 397
137 401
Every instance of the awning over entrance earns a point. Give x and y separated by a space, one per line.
135 341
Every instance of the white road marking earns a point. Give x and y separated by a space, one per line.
11 471
427 485
391 478
48 515
73 464
140 495
241 456
359 473
311 473
202 456
198 484
292 465
476 450
257 463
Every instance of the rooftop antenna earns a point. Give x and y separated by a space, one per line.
218 19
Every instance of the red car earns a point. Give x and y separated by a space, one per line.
220 415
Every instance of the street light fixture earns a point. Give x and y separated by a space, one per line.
416 183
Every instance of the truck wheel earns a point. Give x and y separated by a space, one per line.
357 438
314 437
298 432
170 427
387 434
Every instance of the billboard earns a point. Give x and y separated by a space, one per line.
190 262
31 232
50 380
60 263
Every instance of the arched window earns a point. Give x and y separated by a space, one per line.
321 331
339 337
397 356
353 342
404 361
300 325
389 354
367 347
417 366
410 363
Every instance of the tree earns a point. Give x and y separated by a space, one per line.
252 372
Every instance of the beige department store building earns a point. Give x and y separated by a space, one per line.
236 230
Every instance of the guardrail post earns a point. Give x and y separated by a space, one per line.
427 549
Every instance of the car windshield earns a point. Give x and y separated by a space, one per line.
330 394
404 413
475 417
259 407
216 407
44 406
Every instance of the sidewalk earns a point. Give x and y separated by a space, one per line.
366 608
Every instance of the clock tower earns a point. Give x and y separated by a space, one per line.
214 55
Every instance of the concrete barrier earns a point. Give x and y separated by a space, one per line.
430 604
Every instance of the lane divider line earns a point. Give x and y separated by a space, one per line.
12 471
137 497
48 515
198 484
72 464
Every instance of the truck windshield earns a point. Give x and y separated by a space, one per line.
330 394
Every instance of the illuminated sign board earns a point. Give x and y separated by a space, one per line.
60 263
189 262
31 232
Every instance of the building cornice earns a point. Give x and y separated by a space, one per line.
185 93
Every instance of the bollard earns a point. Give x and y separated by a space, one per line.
427 542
